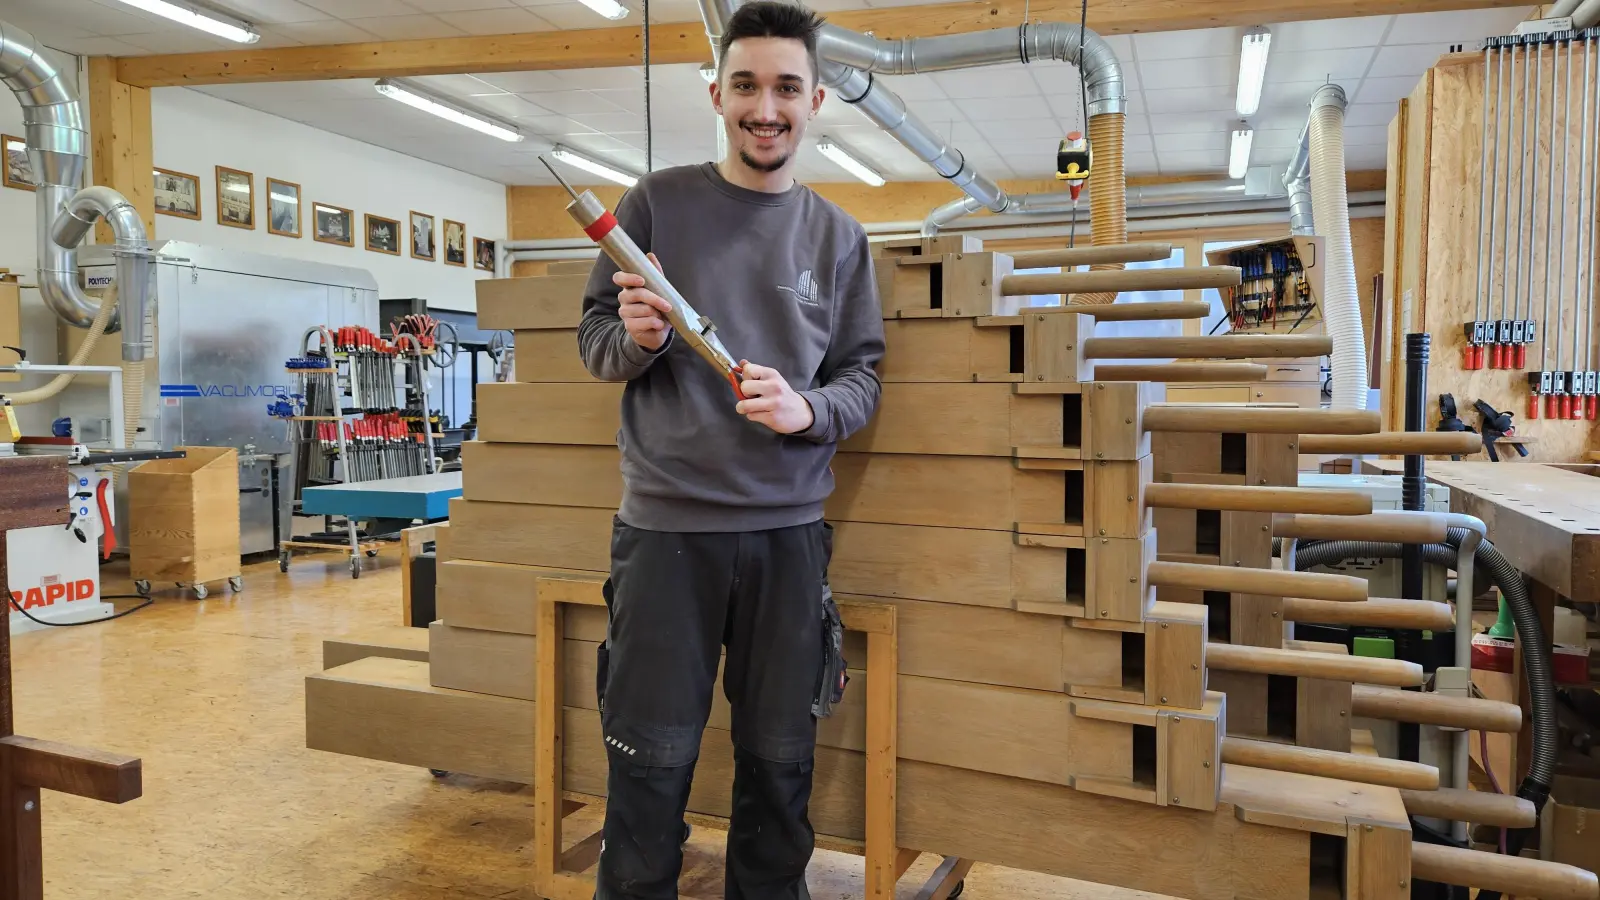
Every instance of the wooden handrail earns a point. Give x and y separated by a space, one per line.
1152 311
1267 582
79 771
1480 807
1472 713
1302 664
1430 443
1507 874
1118 280
1375 611
1254 498
1180 372
1329 764
1400 526
1090 256
1219 346
1255 419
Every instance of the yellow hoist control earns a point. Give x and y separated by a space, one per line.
1073 159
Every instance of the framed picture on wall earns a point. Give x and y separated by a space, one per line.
455 243
383 235
283 207
236 198
332 224
423 245
483 254
18 171
177 194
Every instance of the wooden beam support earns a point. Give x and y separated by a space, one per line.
1420 614
82 772
1258 498
1329 764
1506 874
1276 661
120 134
1478 807
685 42
1428 708
1432 443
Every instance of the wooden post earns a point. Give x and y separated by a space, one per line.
547 746
883 664
120 132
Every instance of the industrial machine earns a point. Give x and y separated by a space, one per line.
224 322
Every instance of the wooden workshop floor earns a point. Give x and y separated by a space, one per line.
210 695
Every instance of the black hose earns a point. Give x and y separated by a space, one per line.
1530 634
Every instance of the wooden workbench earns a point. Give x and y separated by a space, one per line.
1544 519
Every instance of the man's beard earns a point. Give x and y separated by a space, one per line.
752 162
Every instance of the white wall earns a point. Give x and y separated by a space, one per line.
195 132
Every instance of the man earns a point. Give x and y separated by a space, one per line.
720 540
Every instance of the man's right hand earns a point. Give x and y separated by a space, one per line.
642 311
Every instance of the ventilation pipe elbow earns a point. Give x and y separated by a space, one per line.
132 253
57 150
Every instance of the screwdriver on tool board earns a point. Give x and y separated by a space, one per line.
601 227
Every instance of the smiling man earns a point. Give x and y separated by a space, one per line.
719 542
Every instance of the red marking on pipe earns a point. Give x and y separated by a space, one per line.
601 227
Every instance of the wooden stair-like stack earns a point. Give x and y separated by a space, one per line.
1054 714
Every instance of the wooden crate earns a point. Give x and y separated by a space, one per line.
183 519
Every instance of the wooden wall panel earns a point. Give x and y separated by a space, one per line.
946 350
551 413
550 355
562 537
967 419
515 304
501 597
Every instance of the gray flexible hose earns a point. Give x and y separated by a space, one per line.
1530 633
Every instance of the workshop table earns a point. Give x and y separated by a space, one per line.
425 497
1545 520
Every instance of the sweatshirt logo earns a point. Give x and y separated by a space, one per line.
805 290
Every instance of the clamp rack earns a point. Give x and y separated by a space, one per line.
367 441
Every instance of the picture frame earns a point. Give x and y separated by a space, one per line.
455 243
17 171
483 254
424 237
383 234
332 224
283 207
236 198
177 194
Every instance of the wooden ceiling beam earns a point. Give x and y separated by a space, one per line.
685 42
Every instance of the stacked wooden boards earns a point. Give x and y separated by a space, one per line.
1053 714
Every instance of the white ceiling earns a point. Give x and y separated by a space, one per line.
1006 119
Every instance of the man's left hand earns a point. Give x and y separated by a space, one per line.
771 401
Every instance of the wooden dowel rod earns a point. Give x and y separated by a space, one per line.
1253 498
1301 664
1329 764
1089 256
1497 872
1118 280
1399 526
1152 311
1479 807
1267 582
1433 443
1176 372
1378 612
1436 709
1256 420
1217 346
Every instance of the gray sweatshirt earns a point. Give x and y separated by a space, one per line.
787 278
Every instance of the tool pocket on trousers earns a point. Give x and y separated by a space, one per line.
831 676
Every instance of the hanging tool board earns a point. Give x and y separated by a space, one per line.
1281 290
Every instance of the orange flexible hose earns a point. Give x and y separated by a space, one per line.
1108 193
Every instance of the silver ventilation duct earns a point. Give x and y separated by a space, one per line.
1061 201
58 150
1298 181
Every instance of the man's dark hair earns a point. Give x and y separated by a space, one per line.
772 18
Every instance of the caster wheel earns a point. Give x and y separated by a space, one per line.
236 583
371 553
142 587
956 891
283 560
439 773
201 592
355 568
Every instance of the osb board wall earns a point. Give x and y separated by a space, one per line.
1439 158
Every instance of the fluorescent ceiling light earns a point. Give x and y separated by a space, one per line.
427 101
611 9
219 24
609 173
1239 151
1252 70
848 161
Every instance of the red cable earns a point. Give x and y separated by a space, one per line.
109 534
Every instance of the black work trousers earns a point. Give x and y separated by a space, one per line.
676 600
